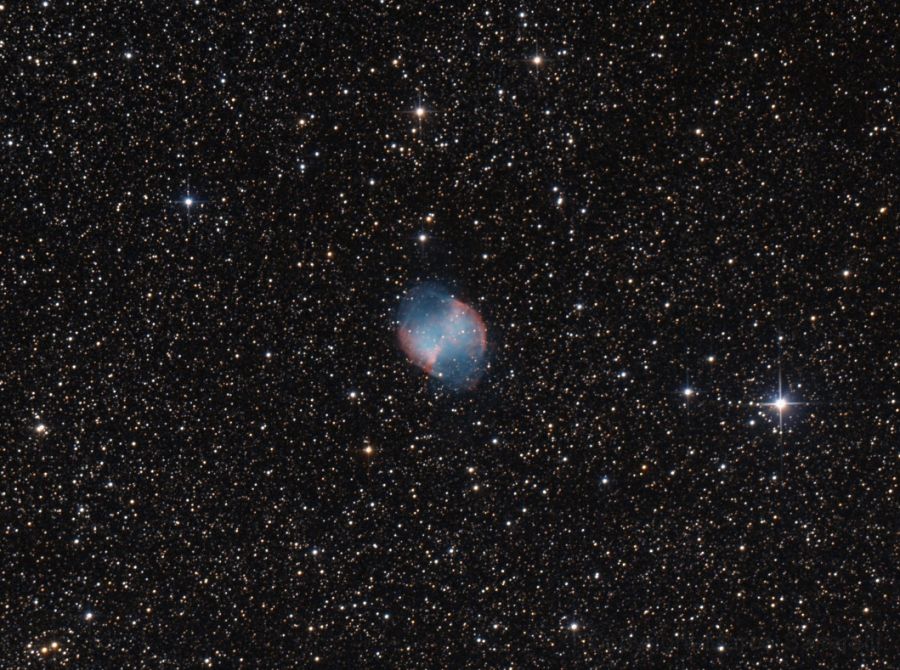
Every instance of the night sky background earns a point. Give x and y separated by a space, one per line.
214 452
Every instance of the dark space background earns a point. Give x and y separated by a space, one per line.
213 453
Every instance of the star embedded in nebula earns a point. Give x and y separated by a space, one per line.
442 335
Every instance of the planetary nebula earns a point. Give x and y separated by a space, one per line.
442 335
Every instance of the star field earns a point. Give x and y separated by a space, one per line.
678 222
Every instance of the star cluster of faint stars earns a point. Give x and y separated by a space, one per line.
678 223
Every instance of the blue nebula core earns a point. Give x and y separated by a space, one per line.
443 336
